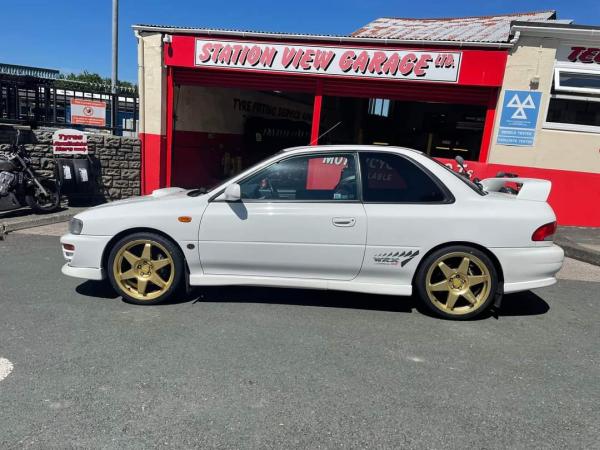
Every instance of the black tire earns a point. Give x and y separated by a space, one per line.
40 203
161 249
448 290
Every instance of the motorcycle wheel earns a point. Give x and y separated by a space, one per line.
41 203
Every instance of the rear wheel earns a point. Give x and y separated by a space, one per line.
457 282
41 202
145 268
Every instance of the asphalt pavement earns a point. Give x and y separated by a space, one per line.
281 368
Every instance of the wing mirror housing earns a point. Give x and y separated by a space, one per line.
233 193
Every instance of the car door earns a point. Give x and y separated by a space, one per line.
407 211
299 217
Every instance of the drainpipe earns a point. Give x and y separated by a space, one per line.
141 76
141 103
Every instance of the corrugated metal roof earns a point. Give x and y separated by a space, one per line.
460 29
337 39
26 71
232 30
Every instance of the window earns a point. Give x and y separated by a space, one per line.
575 100
389 178
329 177
573 110
577 80
379 107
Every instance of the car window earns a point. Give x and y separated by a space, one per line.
390 178
309 178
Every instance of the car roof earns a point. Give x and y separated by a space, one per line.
350 147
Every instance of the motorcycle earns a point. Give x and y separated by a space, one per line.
465 173
507 189
20 186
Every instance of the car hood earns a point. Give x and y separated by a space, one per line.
157 195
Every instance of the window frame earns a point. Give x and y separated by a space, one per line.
563 126
573 94
559 88
448 196
351 153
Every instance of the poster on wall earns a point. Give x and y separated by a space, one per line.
88 112
69 142
518 120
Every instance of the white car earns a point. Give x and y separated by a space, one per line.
372 219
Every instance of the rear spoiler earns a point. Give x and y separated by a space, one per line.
530 188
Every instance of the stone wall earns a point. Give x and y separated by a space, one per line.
117 160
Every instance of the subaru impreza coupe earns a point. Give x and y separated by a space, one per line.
371 219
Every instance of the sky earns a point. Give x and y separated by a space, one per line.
75 35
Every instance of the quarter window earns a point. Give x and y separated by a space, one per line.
329 177
389 178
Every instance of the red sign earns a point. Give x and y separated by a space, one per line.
69 142
88 112
464 66
324 173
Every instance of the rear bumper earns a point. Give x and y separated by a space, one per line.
530 267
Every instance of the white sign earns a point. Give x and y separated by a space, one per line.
580 54
88 112
361 62
69 142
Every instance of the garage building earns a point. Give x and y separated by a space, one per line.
214 102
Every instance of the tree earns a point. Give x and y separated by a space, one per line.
95 81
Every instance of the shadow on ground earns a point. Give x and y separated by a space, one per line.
519 304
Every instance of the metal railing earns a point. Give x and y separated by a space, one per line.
42 102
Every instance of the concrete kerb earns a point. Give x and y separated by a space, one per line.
576 251
31 221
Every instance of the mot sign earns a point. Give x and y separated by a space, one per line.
519 118
69 142
88 112
431 65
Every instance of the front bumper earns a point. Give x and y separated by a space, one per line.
86 260
88 273
530 267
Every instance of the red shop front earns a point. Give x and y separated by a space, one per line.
215 103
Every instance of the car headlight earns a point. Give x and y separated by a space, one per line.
75 226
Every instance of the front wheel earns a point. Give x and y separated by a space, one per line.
145 268
457 282
43 203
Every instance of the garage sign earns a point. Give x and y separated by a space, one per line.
413 65
88 112
519 118
69 142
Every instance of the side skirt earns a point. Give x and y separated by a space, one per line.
301 283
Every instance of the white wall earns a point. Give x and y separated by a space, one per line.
553 149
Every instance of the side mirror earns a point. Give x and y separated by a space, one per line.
460 160
233 193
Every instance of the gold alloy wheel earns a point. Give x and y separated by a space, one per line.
144 269
458 283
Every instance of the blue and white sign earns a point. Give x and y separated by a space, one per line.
519 118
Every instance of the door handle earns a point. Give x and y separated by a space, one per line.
344 221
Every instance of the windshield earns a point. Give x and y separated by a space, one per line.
204 190
477 188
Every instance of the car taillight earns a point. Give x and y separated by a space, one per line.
545 232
